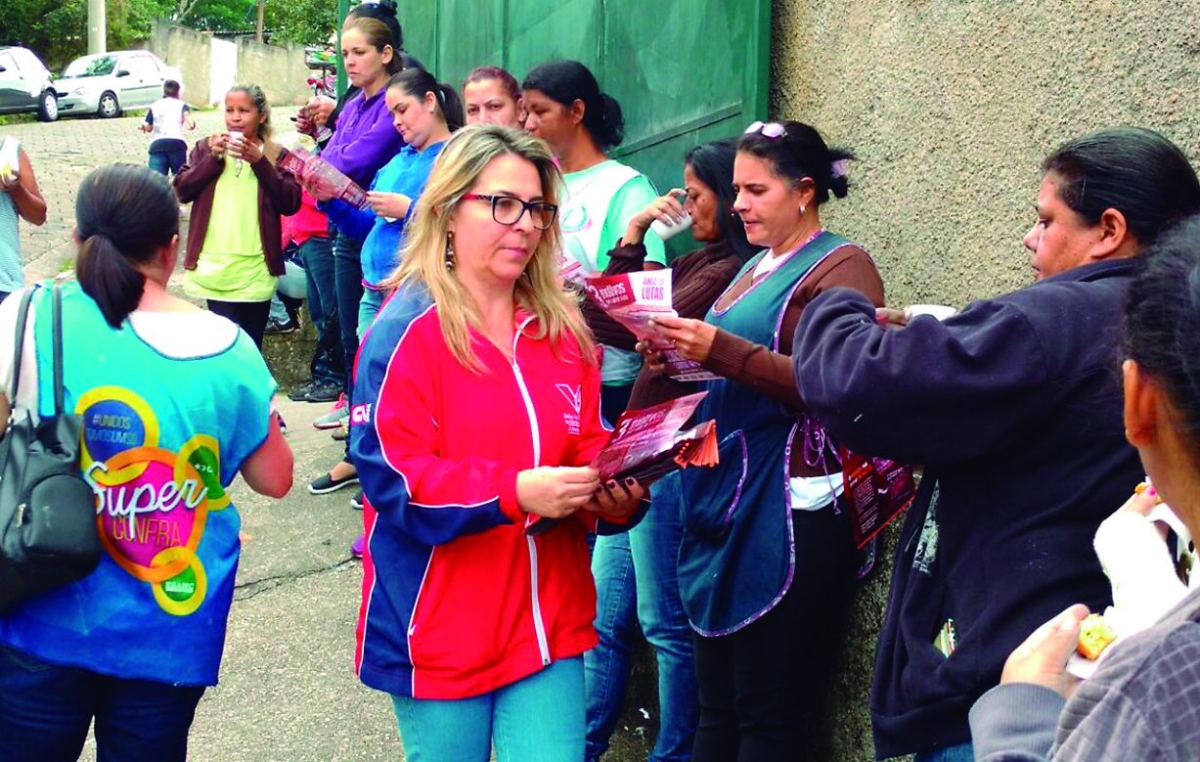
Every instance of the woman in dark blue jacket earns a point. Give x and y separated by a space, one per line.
1014 408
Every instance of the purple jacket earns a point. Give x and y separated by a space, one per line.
365 139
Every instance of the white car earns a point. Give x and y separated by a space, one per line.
108 83
25 85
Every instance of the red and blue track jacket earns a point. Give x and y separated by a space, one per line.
458 599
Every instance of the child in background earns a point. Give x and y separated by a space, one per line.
231 177
165 121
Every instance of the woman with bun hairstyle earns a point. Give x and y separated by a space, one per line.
1014 410
1143 700
767 562
493 96
568 110
366 139
132 646
424 112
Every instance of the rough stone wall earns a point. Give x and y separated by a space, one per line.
951 107
278 69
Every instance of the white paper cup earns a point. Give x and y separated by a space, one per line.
939 311
667 232
235 138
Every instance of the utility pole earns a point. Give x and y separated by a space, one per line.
343 9
97 29
258 29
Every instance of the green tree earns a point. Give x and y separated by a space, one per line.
309 22
216 15
57 29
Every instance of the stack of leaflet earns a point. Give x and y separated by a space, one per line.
648 444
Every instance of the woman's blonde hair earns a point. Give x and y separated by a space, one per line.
423 256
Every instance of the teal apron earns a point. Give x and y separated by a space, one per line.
738 555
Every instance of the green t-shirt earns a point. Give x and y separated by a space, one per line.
630 198
627 192
231 267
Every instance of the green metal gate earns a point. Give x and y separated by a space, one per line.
684 71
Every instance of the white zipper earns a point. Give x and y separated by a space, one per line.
538 625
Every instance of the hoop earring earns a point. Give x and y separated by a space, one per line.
450 255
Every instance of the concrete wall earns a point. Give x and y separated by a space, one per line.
191 52
278 69
951 107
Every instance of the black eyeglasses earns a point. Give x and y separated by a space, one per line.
507 210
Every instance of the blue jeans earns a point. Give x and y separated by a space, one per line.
328 364
963 752
537 718
654 544
637 580
347 278
278 311
606 667
169 159
47 710
368 308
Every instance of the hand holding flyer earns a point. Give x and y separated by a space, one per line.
647 445
633 300
316 173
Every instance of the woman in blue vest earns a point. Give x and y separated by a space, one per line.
766 568
134 644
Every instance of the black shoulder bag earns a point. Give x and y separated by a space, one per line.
48 533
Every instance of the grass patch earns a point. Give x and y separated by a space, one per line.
7 119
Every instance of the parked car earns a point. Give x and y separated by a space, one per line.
108 83
25 85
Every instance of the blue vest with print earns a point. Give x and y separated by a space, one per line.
162 440
737 556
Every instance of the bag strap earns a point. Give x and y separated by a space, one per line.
22 315
58 349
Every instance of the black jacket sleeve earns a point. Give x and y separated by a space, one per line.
930 392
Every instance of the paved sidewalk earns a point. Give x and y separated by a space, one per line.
288 692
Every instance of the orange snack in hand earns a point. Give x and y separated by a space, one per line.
1094 636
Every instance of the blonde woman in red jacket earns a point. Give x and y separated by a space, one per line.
477 412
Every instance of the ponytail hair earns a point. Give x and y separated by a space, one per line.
124 215
568 81
416 82
797 152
